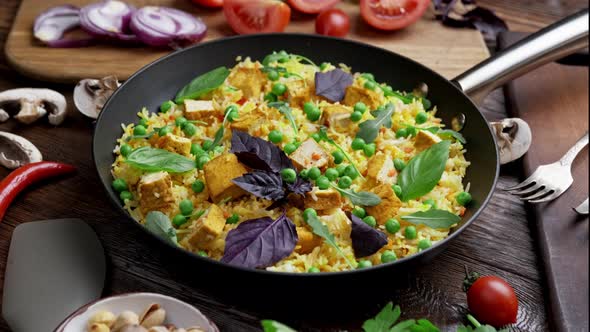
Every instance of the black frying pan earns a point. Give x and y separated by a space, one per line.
161 80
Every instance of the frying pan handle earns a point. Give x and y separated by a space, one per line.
551 43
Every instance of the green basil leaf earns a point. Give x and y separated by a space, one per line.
384 319
438 219
154 160
284 109
274 326
321 230
203 84
362 198
424 171
159 224
369 129
448 133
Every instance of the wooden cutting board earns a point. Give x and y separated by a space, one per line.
446 50
554 101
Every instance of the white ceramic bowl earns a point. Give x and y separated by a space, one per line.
179 313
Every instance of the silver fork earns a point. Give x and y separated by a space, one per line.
550 181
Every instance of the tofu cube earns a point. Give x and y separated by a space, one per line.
219 174
389 205
176 144
310 154
155 193
307 241
323 200
354 94
299 92
208 227
381 169
425 139
249 80
337 117
202 110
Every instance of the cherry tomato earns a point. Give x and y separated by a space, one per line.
256 16
209 3
312 6
492 301
392 14
332 22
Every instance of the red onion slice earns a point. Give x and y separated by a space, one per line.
164 26
108 19
51 25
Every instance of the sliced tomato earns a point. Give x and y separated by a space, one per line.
256 16
209 3
312 6
392 14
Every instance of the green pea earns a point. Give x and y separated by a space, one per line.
290 148
359 212
189 129
233 219
304 174
387 90
143 122
313 269
309 213
368 76
279 89
270 97
324 65
322 182
314 114
388 256
125 150
196 149
362 264
341 169
186 207
344 182
356 116
202 160
351 172
164 131
331 174
397 190
314 173
402 132
424 244
275 136
284 56
273 75
125 195
202 253
198 186
180 121
410 232
357 143
411 131
360 107
392 226
421 117
369 149
430 202
463 198
207 145
289 175
231 108
179 220
139 130
316 137
119 185
399 164
370 220
338 157
166 106
370 85
297 144
308 107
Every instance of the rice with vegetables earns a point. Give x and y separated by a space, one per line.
287 166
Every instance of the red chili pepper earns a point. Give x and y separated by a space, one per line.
26 175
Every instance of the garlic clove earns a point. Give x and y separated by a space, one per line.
152 316
125 318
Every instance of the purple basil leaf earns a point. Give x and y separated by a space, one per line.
366 240
259 243
263 184
466 14
300 186
257 153
332 84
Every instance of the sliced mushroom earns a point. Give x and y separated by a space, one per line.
3 115
90 95
514 137
16 151
33 104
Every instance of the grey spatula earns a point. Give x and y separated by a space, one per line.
53 268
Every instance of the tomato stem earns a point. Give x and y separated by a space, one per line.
470 278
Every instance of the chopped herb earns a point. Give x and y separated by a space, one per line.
321 230
369 130
160 225
438 219
284 109
219 133
203 84
362 198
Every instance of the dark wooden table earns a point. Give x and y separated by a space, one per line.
500 242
